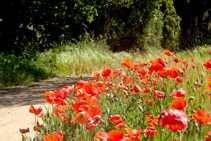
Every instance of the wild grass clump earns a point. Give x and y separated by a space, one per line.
164 98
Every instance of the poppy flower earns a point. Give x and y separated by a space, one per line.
136 89
172 72
135 67
117 72
96 75
192 59
35 127
77 105
207 64
174 120
144 81
61 94
179 80
55 137
153 121
90 88
167 52
197 84
128 63
150 102
209 85
178 93
59 110
150 131
34 110
175 59
185 63
159 94
80 84
142 71
128 79
116 119
23 131
179 104
60 101
92 101
106 73
114 135
202 117
207 138
157 65
132 135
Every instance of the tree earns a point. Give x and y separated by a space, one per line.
192 14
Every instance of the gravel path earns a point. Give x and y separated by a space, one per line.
15 103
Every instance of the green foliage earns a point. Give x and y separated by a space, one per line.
19 70
171 29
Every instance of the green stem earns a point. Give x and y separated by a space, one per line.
166 139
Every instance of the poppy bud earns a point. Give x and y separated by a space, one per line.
188 82
82 115
96 119
192 119
124 92
140 108
99 83
200 106
116 99
191 98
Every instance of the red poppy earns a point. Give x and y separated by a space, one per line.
145 81
23 131
179 80
159 94
55 137
172 72
185 63
116 119
179 104
106 73
202 117
197 84
128 63
59 110
153 121
175 59
207 138
34 110
135 67
150 102
178 93
142 71
167 52
157 65
174 120
132 135
92 101
76 107
90 88
96 75
41 126
128 79
207 64
150 131
192 59
113 135
49 95
209 85
60 101
117 72
80 84
136 89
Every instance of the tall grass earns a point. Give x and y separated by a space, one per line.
74 59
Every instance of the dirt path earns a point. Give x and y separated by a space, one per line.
15 103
